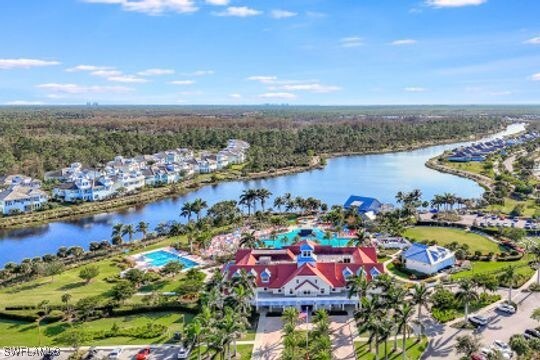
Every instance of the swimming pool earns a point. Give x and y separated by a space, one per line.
319 235
161 258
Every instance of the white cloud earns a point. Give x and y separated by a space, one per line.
404 42
265 79
152 7
199 73
106 73
24 102
534 41
351 41
127 79
235 96
88 68
155 72
278 95
282 14
218 2
500 93
81 89
8 64
454 3
183 82
315 87
415 89
536 77
315 14
239 11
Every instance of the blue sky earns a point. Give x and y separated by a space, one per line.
353 52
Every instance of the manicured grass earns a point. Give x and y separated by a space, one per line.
445 236
510 204
495 267
414 349
474 167
243 352
13 333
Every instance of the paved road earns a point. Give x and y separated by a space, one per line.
342 330
500 327
268 339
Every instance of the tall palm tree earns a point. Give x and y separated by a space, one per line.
420 297
191 231
195 334
465 295
360 239
290 317
129 231
358 286
198 206
249 240
278 203
117 230
509 277
247 198
142 227
187 210
263 194
403 316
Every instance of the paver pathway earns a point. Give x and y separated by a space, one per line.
342 330
268 344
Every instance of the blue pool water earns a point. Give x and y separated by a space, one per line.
290 237
161 258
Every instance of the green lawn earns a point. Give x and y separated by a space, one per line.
14 333
445 236
414 350
481 267
472 167
510 204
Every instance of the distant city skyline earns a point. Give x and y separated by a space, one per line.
319 52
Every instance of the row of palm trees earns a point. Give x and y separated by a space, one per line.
386 309
120 230
250 197
226 308
447 201
194 207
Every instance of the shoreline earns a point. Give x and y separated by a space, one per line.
71 212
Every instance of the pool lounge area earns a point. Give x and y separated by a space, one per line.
316 234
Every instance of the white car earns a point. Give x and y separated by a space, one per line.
183 353
115 354
478 320
506 308
503 347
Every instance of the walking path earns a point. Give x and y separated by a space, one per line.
267 345
342 332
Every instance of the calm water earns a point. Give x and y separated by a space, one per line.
380 176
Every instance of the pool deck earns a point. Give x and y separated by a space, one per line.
142 264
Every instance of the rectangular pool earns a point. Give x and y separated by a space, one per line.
161 258
293 236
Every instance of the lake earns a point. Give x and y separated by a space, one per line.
380 176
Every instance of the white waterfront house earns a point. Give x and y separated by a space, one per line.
22 199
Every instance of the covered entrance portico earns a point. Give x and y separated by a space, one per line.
327 302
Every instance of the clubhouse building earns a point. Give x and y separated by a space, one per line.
305 274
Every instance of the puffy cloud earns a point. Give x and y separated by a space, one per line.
351 41
282 14
404 42
536 77
278 95
265 79
314 87
152 7
454 3
415 89
106 73
235 96
21 63
199 73
127 79
239 11
534 41
155 72
88 68
218 2
183 82
81 89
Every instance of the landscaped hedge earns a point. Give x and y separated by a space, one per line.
141 309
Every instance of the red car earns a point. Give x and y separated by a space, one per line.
143 354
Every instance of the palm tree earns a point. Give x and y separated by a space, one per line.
465 295
358 286
191 231
403 316
142 227
420 297
536 314
360 239
117 230
509 277
247 199
128 230
290 317
195 333
533 247
198 206
278 203
263 194
249 240
187 210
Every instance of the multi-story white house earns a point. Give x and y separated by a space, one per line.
304 274
21 199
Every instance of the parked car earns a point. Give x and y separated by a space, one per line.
533 332
502 346
506 308
49 355
477 356
143 354
115 354
478 320
183 353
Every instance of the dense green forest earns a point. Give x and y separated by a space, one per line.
35 140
